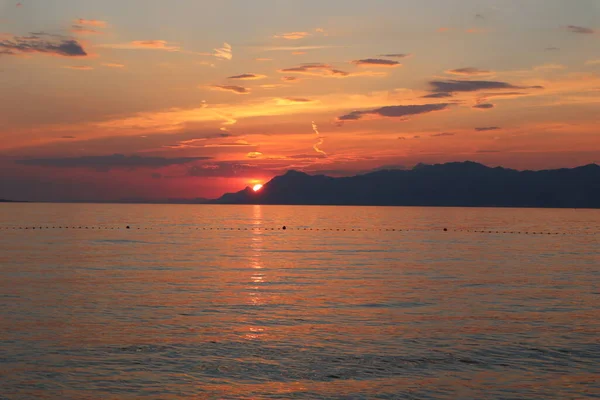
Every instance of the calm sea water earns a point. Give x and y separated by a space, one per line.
177 307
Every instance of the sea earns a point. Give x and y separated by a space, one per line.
130 301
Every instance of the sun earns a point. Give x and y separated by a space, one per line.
257 187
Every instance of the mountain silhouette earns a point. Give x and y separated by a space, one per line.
466 184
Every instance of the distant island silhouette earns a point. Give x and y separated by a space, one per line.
456 184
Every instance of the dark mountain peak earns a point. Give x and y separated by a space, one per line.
294 173
467 184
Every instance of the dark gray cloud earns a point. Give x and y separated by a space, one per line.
484 106
67 137
395 55
105 163
580 29
376 62
248 77
298 100
453 85
469 71
315 69
552 48
395 111
442 134
231 88
487 128
440 95
40 42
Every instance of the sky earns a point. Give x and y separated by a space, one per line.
154 99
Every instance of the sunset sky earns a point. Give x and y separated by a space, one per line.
113 99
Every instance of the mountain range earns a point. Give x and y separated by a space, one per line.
466 184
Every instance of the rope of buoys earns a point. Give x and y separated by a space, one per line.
303 228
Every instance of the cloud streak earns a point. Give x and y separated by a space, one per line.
396 55
247 77
376 62
580 29
105 163
469 71
91 22
231 88
395 111
292 35
487 128
452 86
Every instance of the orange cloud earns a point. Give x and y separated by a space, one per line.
225 52
443 29
91 22
153 44
475 30
81 30
231 88
298 53
144 45
292 35
289 79
79 67
113 65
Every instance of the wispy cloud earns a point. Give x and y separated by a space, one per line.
376 62
469 71
442 134
295 48
395 111
231 88
325 70
82 30
487 128
293 100
113 65
290 78
292 35
105 163
79 67
315 69
91 22
396 55
580 29
247 77
549 67
592 62
43 44
225 52
144 45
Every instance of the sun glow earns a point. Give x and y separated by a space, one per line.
257 187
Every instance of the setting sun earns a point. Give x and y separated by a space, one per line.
257 187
